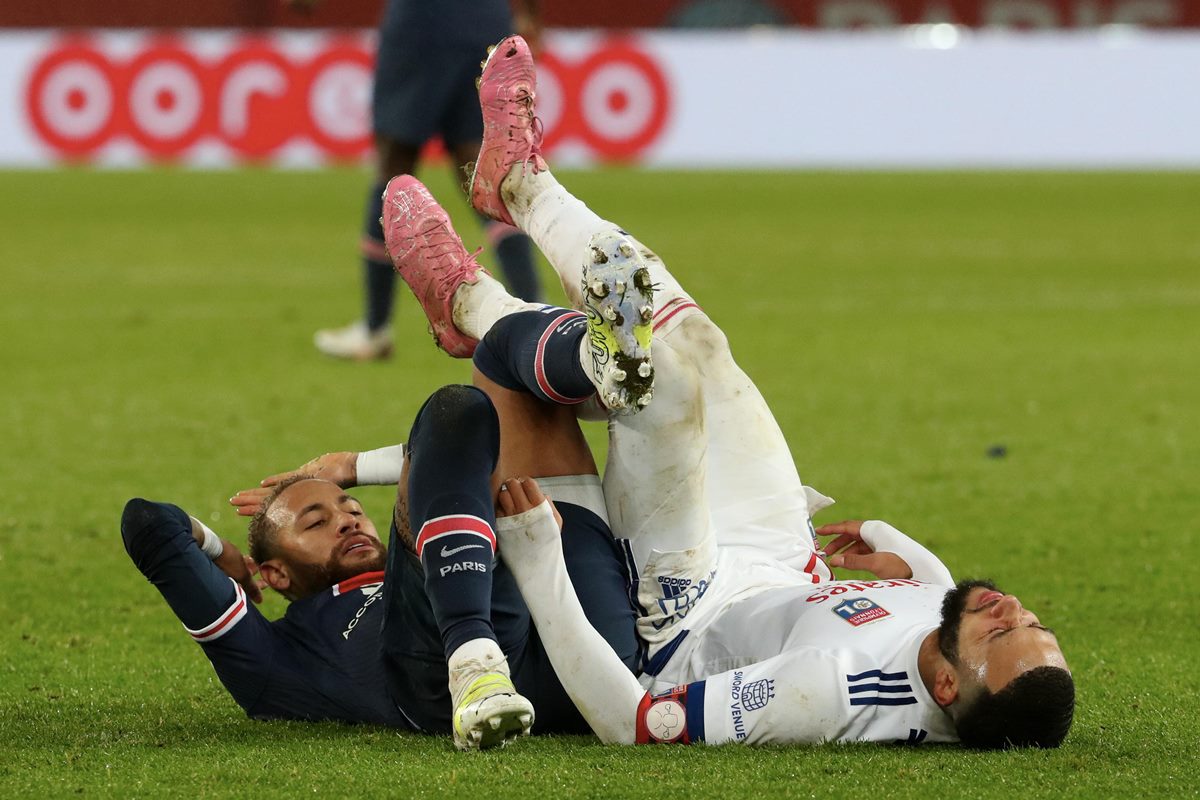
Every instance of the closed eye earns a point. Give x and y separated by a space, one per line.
997 633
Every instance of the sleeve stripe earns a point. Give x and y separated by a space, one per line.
226 621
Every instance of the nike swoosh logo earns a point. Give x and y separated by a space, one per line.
447 553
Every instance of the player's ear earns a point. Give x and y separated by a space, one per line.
275 573
945 684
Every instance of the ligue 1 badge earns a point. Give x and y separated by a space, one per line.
859 611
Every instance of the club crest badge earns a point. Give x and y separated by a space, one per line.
859 611
756 695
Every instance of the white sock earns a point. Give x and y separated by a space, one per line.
475 656
557 221
600 685
561 225
478 306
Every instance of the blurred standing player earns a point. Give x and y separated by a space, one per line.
425 72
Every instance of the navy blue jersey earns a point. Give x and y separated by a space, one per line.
474 22
368 649
426 65
321 661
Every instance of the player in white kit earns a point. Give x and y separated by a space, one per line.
749 637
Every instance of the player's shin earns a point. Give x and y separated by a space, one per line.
453 449
599 684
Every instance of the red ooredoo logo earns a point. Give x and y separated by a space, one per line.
168 95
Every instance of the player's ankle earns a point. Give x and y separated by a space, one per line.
521 187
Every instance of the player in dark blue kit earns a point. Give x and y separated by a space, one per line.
421 635
425 71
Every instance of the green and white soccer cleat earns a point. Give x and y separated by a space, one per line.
490 712
619 301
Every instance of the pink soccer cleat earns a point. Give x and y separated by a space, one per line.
511 133
429 257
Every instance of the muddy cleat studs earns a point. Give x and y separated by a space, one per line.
618 300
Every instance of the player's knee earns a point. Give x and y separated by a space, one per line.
704 339
460 413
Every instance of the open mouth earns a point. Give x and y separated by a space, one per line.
357 543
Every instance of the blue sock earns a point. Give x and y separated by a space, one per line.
514 252
379 277
452 450
538 351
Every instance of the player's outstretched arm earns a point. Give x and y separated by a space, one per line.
347 469
190 569
876 547
598 682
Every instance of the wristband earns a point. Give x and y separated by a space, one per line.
212 545
380 467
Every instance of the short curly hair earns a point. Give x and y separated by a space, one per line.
260 539
1033 710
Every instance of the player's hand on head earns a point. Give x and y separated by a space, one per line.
848 550
340 468
249 501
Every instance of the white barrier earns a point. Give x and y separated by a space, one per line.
934 96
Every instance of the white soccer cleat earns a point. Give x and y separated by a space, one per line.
488 711
619 301
354 342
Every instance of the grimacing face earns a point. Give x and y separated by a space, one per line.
999 639
323 537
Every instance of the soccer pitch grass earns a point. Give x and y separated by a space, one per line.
156 341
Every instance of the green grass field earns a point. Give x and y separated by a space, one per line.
156 341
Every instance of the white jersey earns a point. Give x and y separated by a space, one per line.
833 661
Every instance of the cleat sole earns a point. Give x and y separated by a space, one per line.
618 300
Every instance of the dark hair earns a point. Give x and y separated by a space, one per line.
260 539
1033 710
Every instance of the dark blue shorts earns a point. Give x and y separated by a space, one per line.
426 66
416 664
